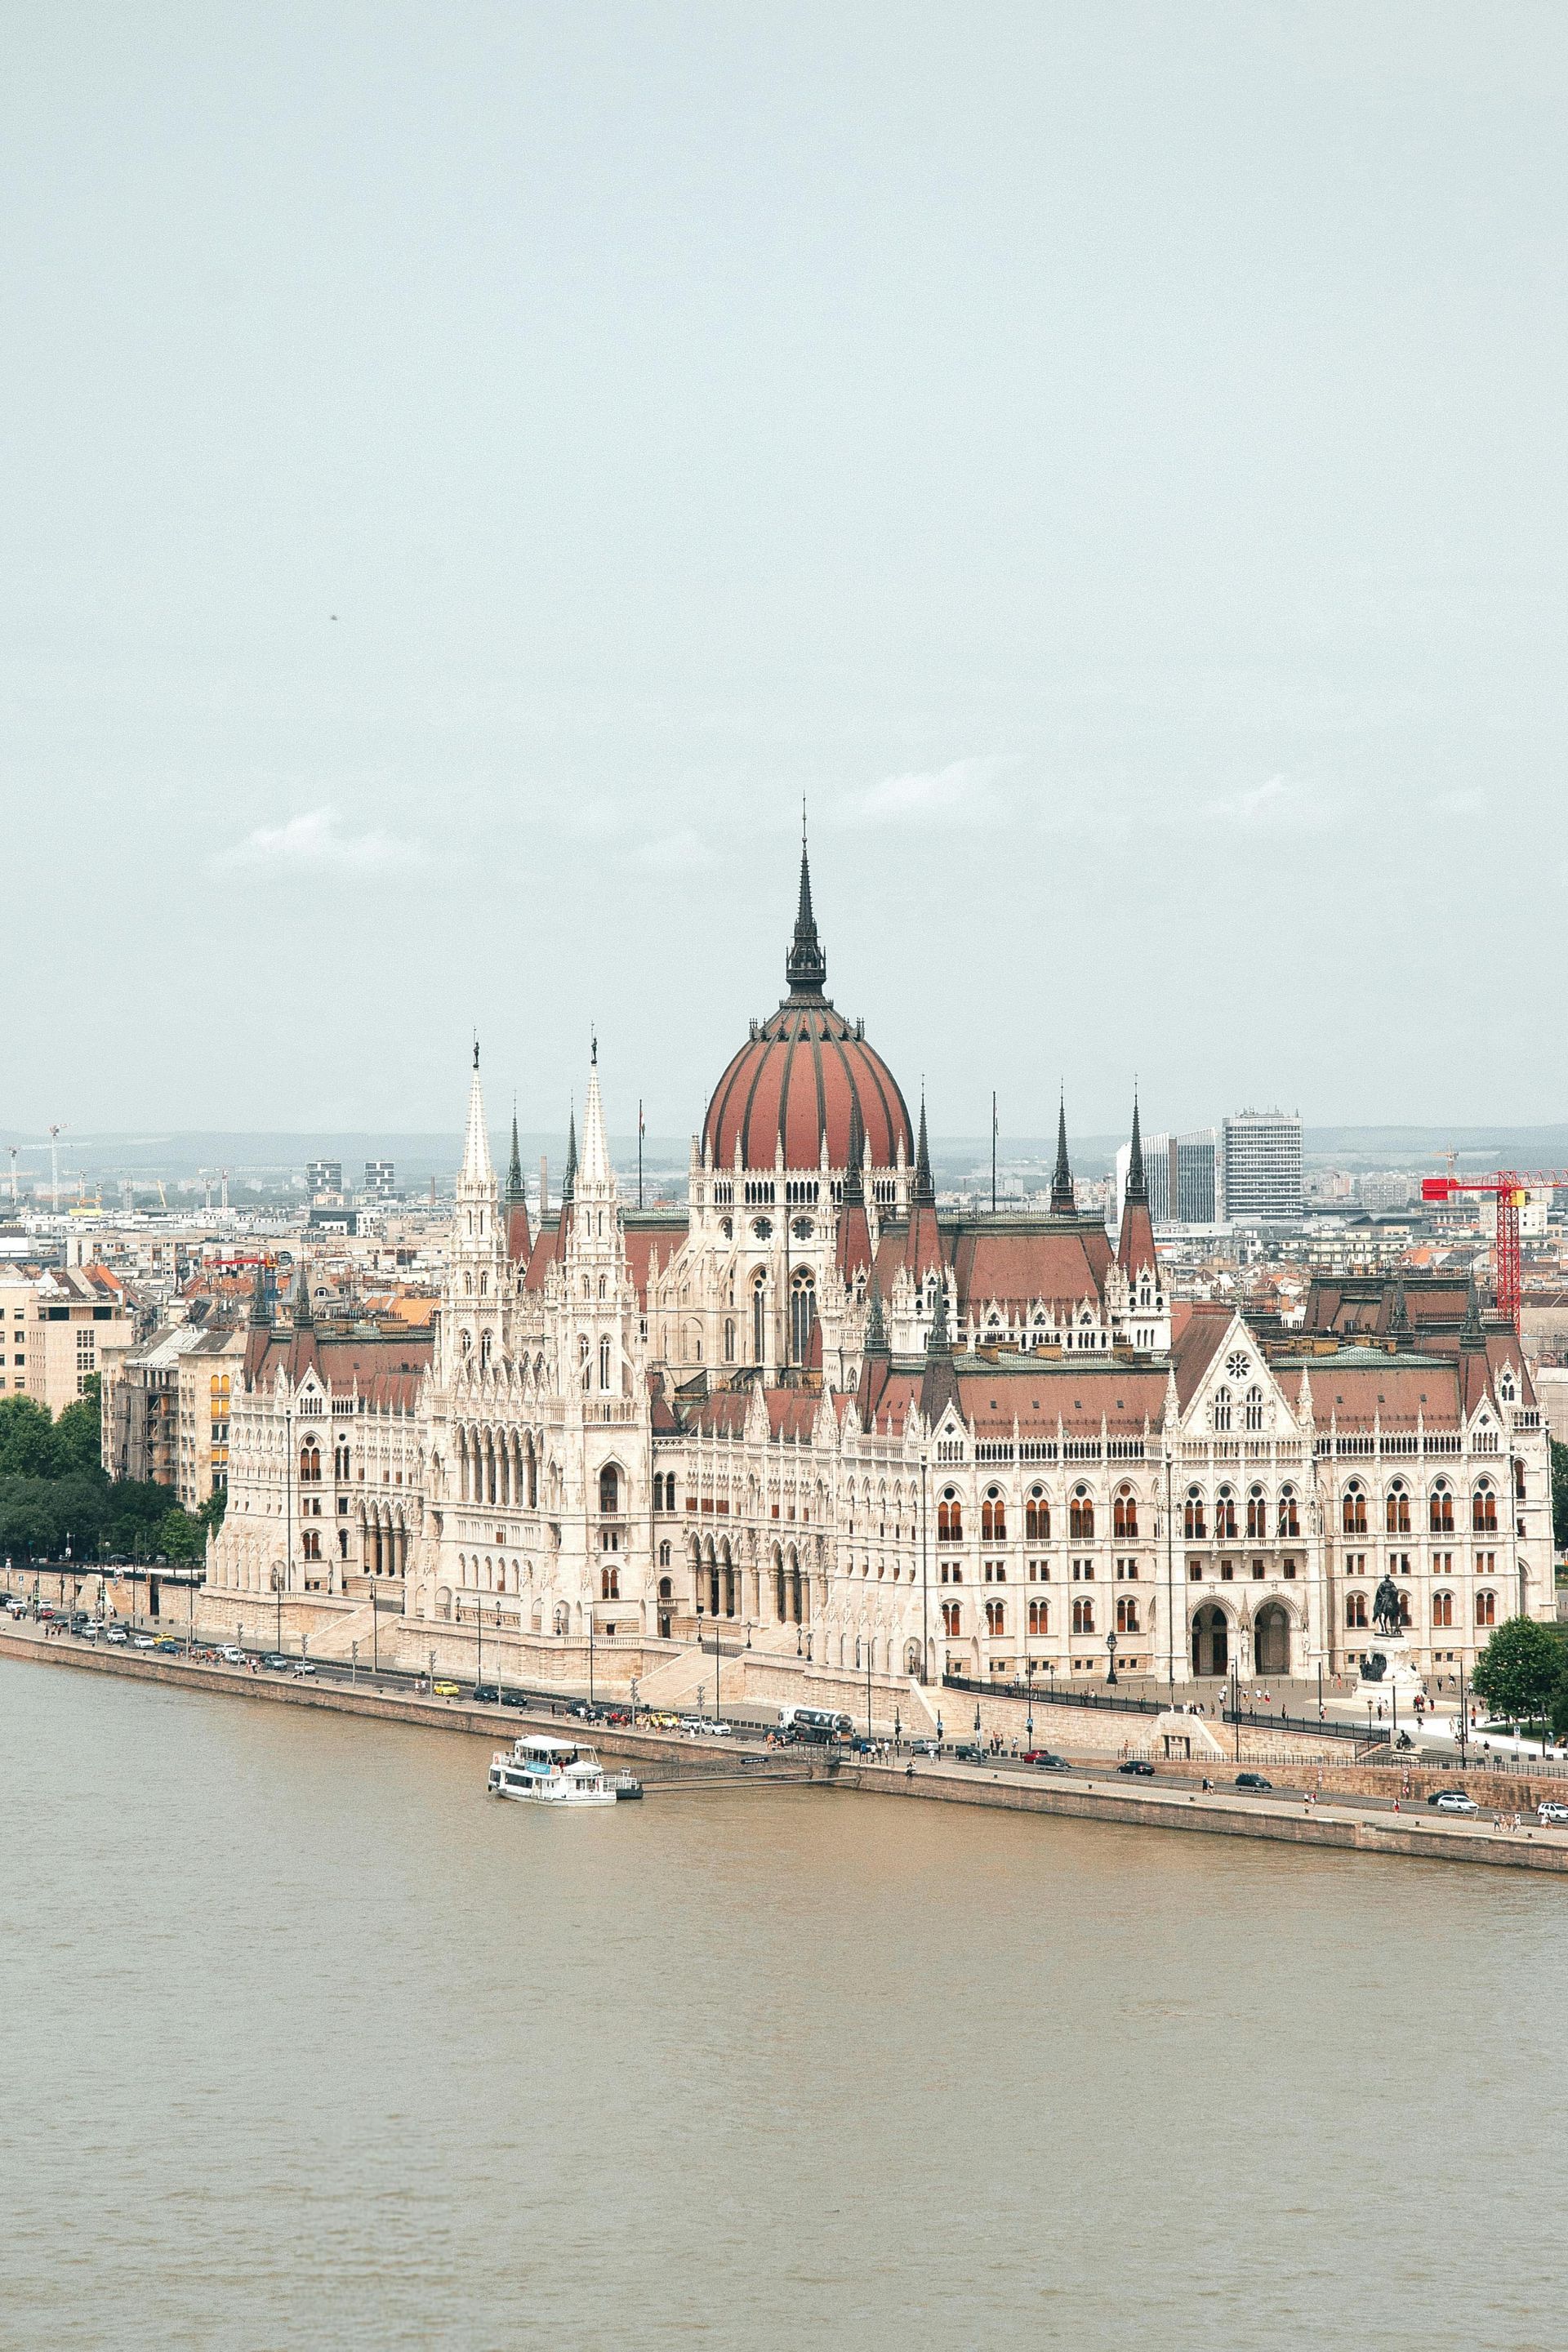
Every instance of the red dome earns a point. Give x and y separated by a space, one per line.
802 1076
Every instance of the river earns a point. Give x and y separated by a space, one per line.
307 2043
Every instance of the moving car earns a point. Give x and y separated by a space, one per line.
1046 1758
702 1726
171 1649
303 1666
1452 1801
229 1654
1254 1780
274 1662
446 1690
1551 1809
1144 1771
143 1641
118 1634
966 1752
487 1693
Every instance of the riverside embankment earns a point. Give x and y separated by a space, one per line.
1341 1826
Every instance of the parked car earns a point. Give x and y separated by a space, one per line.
79 1619
487 1693
1254 1780
1551 1809
118 1634
143 1641
967 1752
170 1647
513 1698
446 1690
1452 1801
1046 1758
229 1654
46 1614
274 1662
1139 1766
929 1747
704 1727
303 1666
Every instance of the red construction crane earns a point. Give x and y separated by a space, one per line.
1510 1190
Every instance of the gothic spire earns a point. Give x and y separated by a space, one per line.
854 1172
261 1300
475 1168
1471 1335
1062 1201
303 1318
1137 1190
940 1342
596 1168
805 967
875 1340
514 1167
569 1181
925 1190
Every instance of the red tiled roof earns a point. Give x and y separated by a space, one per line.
1082 1396
798 1081
1058 1264
1198 1328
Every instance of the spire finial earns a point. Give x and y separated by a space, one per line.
476 1049
855 1171
1137 1188
569 1181
593 1049
1063 1203
925 1190
805 967
515 1171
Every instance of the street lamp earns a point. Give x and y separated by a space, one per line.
353 1664
1111 1658
278 1598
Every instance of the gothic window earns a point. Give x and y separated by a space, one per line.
1127 1613
604 1363
1124 1514
1355 1612
467 1285
949 1518
609 1584
730 1339
1287 1523
1442 1609
1237 1367
310 1464
762 1229
1398 1511
1352 1511
803 1229
1080 1516
1220 1409
802 1314
1038 1518
759 1319
1083 1616
609 1488
1483 1510
484 1285
1225 1513
1193 1525
996 1617
465 1341
486 1339
1253 1415
1486 1608
1039 1616
952 1618
994 1517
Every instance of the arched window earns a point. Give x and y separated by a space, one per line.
1038 1517
802 1314
1224 1514
485 1342
1352 1511
1288 1524
1081 1516
1441 1511
1127 1613
664 1562
610 1488
1221 1409
604 1363
950 1618
1125 1515
1396 1510
949 1518
760 1320
1039 1616
994 1517
1257 1514
1486 1608
1355 1612
1252 1413
996 1617
1083 1616
1483 1510
310 1464
730 1339
1192 1524
609 1584
1442 1609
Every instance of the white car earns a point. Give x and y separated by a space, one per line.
1549 1809
231 1656
117 1634
705 1729
143 1641
1453 1801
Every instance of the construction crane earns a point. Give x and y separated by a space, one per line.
1510 1190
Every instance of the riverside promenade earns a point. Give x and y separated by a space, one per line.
1343 1823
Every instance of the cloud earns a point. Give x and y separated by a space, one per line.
317 844
1276 806
926 796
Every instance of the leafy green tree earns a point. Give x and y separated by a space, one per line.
211 1512
77 1434
26 1438
1560 1495
1521 1669
180 1538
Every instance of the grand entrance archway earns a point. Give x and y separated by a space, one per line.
1211 1642
1271 1640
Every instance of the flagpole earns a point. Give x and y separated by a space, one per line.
639 1151
994 1154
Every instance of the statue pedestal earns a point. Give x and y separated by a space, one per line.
1388 1671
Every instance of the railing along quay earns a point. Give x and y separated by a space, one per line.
1373 1736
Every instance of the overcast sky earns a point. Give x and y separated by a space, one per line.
470 469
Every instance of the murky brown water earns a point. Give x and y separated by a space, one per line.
307 2043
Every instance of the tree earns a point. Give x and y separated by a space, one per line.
26 1438
1560 1495
180 1538
1520 1670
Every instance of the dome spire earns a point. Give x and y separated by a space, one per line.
805 967
925 1190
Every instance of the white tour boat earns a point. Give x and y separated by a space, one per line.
542 1772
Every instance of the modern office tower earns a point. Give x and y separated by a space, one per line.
379 1178
1261 1165
323 1176
1180 1173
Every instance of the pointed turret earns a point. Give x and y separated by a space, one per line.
475 1168
876 1339
1399 1325
1063 1204
922 1242
301 1300
596 1170
519 1240
1474 1371
805 967
925 1190
939 1386
260 1301
569 1181
1135 1242
854 1252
